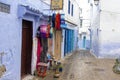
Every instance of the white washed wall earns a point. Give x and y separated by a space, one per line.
110 28
75 18
105 35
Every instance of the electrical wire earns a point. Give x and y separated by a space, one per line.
109 12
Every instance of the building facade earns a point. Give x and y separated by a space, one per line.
19 21
84 33
65 39
105 28
71 10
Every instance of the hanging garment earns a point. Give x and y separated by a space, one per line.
53 20
48 31
43 56
38 32
51 33
57 21
43 31
38 52
50 46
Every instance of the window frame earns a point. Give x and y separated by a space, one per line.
72 12
69 3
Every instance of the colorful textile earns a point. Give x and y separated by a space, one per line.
51 33
57 21
43 56
48 30
43 31
38 52
53 20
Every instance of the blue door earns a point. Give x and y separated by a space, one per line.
84 41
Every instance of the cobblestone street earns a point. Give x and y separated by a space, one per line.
84 66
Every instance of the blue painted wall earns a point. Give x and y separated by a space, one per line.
95 43
95 33
11 39
110 50
75 41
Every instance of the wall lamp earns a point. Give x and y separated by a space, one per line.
96 2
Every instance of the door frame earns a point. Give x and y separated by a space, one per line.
22 44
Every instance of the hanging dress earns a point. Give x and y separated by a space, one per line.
57 21
38 52
53 19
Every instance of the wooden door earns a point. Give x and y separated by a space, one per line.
57 48
26 54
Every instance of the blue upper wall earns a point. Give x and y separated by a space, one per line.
10 41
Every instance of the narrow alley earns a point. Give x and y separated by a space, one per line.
82 65
59 40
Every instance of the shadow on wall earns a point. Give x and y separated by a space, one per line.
110 50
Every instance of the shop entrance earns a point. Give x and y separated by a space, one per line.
26 54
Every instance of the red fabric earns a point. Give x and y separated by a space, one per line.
57 21
48 30
38 53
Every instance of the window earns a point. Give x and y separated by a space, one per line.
4 8
68 6
88 1
72 10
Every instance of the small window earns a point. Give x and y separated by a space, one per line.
68 6
72 10
88 1
4 8
81 23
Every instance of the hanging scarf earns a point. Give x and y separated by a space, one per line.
57 21
53 20
43 31
51 32
38 52
48 31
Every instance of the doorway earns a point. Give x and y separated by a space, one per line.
84 41
26 55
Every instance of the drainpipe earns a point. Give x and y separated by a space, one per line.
90 37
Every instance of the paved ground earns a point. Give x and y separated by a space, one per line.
83 66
